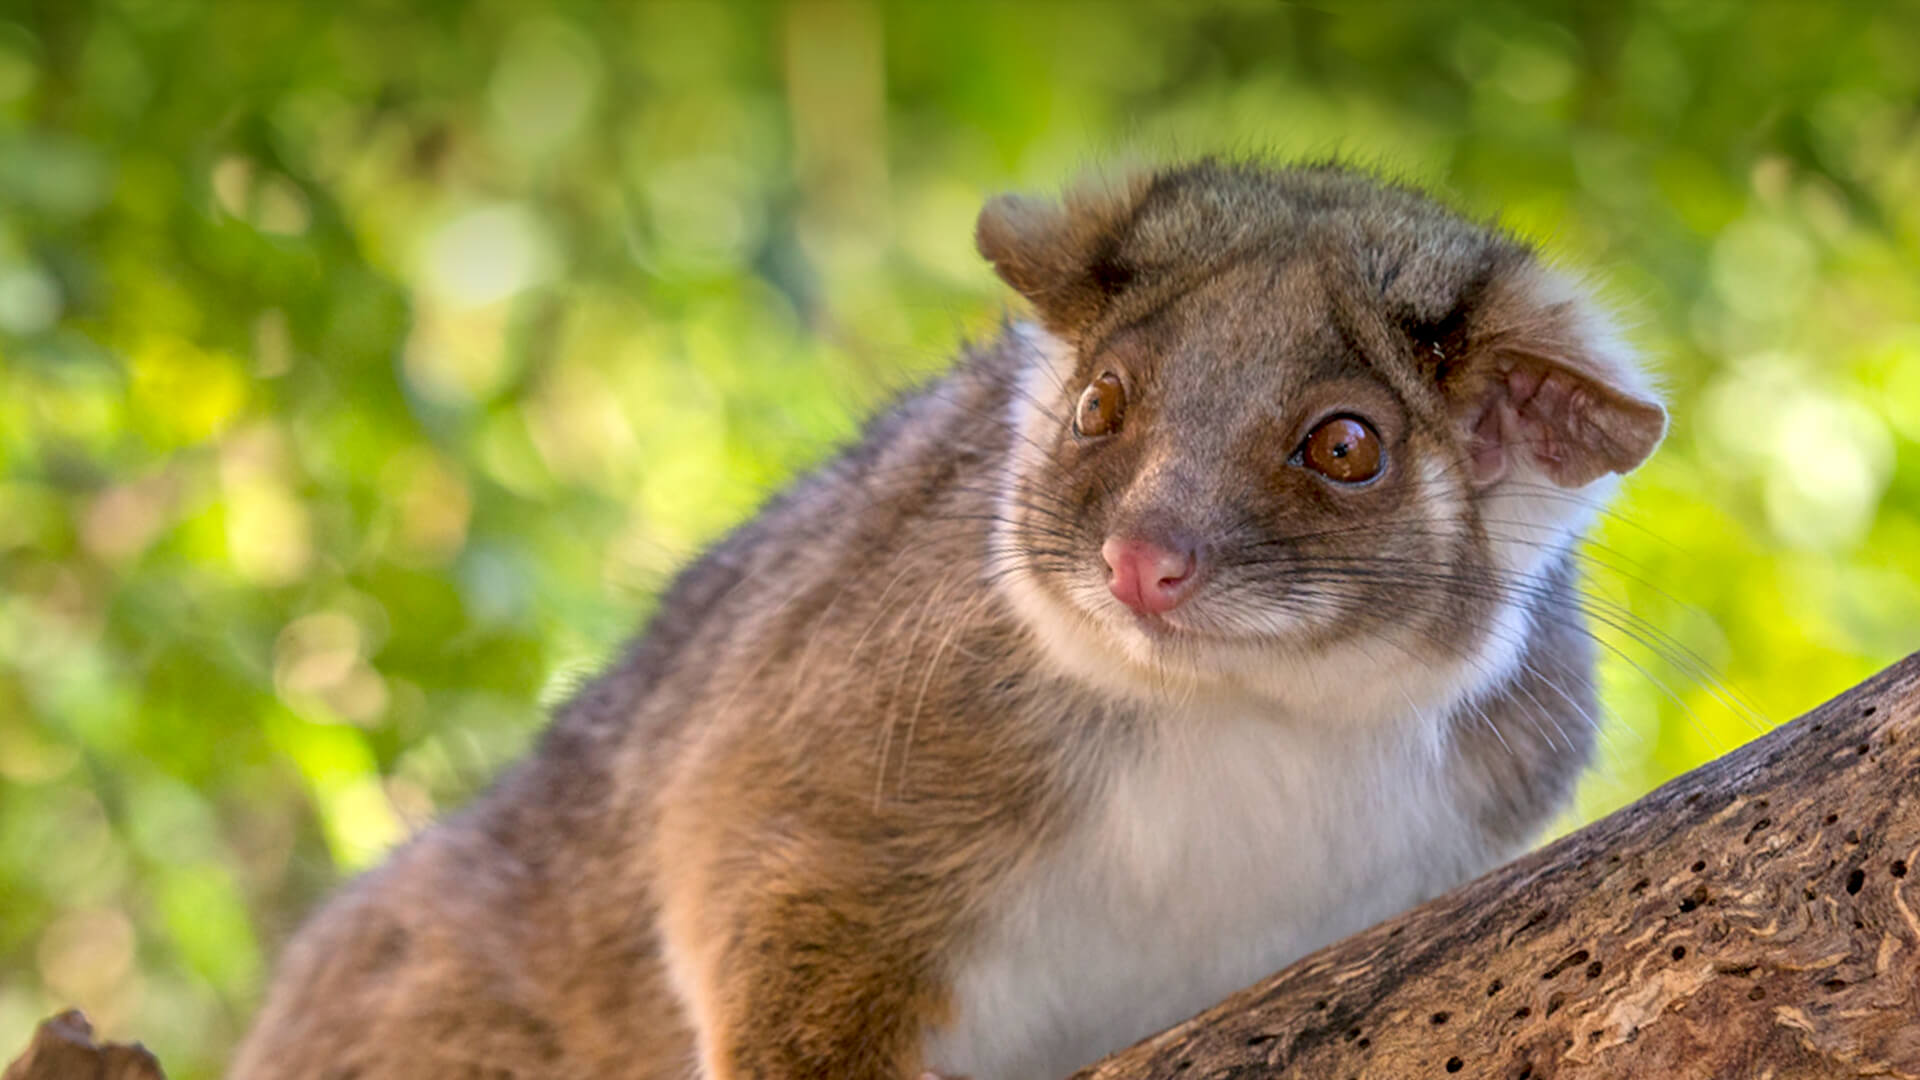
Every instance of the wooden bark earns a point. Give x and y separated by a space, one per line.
1753 918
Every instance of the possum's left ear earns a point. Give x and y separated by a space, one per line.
1548 385
1063 257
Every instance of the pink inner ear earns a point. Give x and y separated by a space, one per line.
1487 445
1571 430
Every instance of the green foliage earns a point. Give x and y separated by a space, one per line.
365 367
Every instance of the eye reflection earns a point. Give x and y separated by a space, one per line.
1101 406
1344 449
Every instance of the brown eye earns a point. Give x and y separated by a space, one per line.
1101 405
1344 449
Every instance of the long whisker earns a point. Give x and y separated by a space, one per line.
1693 718
1494 584
1671 648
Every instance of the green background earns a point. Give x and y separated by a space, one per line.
367 366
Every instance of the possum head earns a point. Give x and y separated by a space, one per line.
1296 434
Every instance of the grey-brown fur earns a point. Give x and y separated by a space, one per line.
813 777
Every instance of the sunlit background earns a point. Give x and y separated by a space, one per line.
367 366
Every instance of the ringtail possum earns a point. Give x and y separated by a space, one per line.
1223 607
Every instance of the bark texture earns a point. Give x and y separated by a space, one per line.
1753 918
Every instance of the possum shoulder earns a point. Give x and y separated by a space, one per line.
938 443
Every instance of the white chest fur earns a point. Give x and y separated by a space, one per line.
1235 846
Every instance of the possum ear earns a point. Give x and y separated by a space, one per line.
1063 257
1548 385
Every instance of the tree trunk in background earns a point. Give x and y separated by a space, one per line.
1754 918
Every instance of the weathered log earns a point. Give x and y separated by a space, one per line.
1753 918
63 1049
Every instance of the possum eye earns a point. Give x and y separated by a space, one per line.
1102 404
1344 449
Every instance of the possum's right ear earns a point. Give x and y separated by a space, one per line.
1063 257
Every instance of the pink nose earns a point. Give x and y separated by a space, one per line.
1147 577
